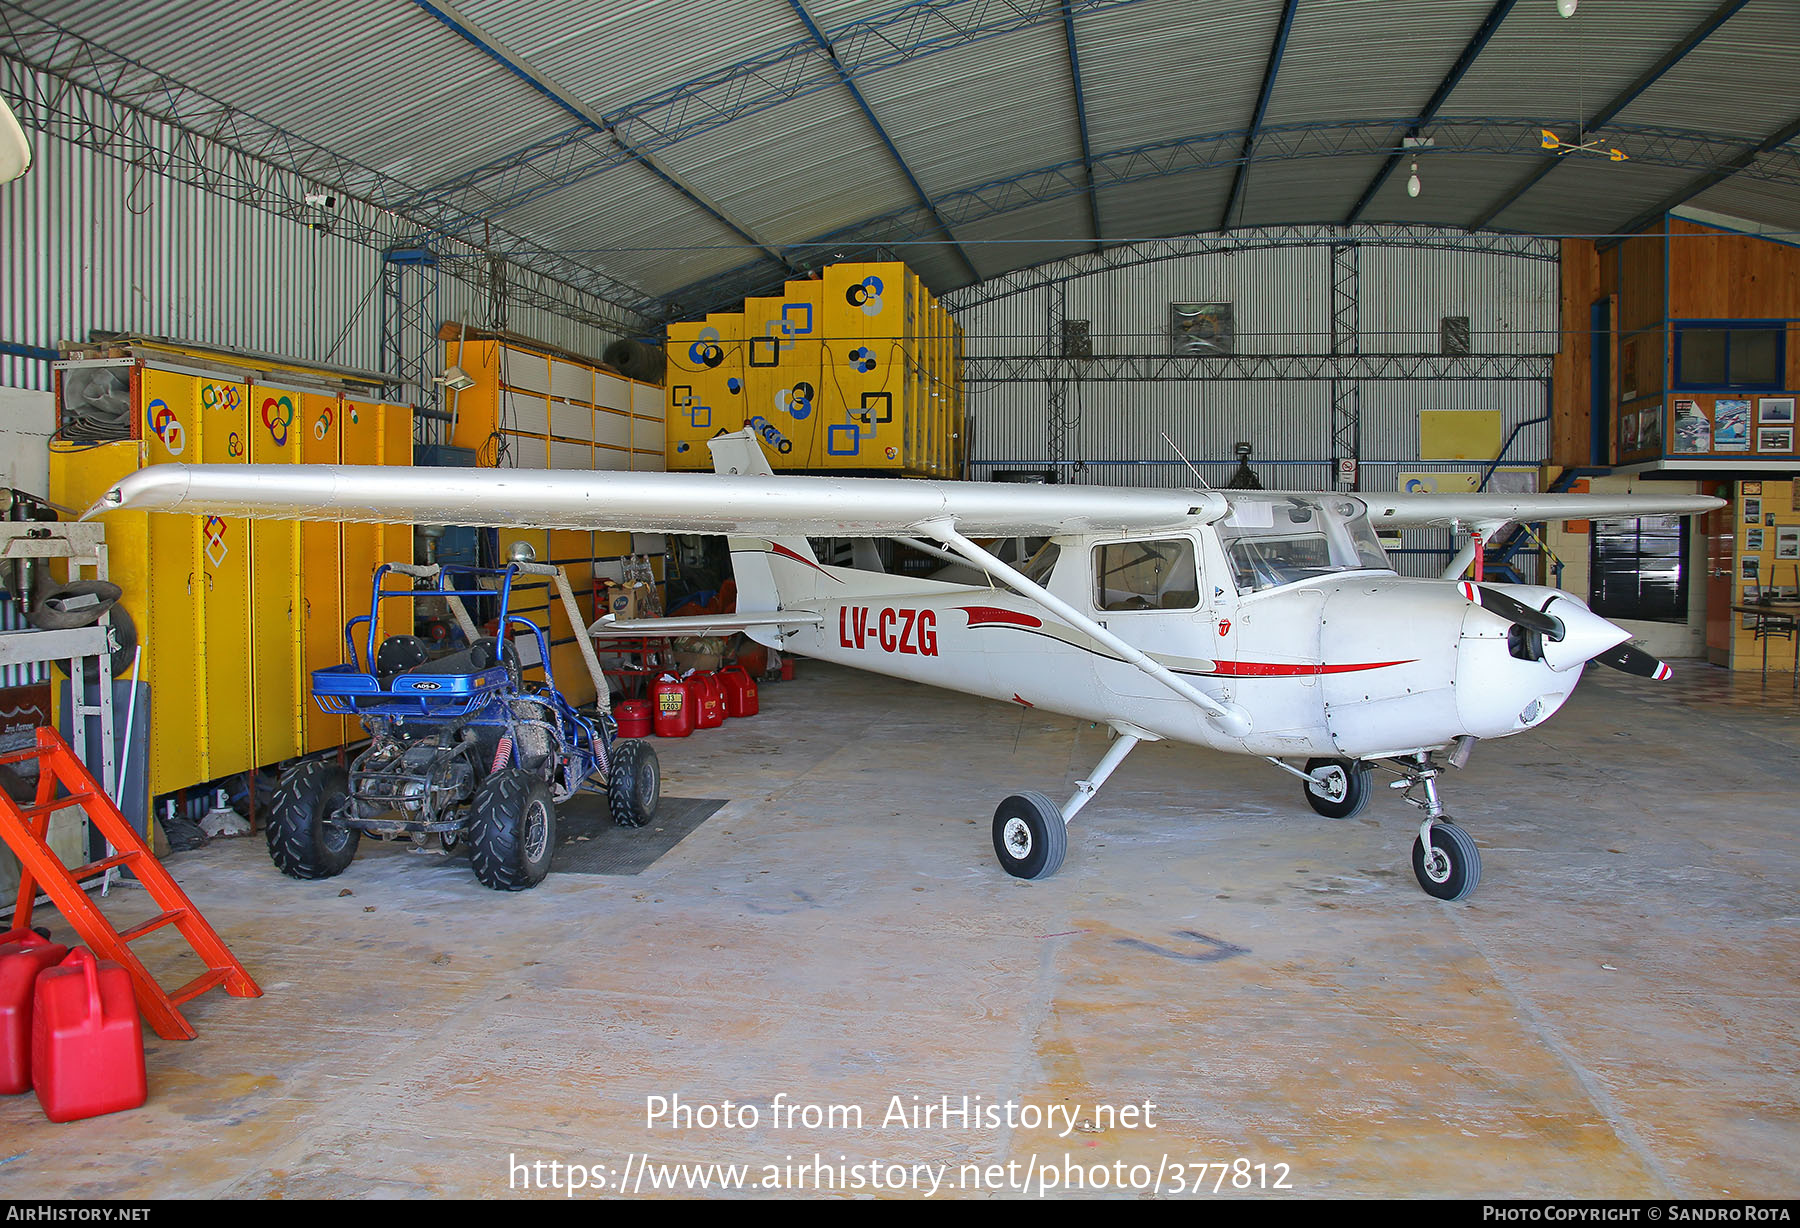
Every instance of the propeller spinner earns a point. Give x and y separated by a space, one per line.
1578 633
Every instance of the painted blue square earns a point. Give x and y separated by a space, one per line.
831 440
700 416
796 319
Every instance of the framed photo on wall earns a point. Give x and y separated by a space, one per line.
1753 510
1787 541
1753 539
1774 411
1775 439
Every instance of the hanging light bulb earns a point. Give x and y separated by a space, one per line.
1412 181
1566 7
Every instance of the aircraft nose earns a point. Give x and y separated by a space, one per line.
1585 635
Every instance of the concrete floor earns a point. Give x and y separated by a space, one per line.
1612 1015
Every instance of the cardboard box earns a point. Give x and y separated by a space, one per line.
625 602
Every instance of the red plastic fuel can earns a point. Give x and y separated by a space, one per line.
633 718
87 1044
709 710
674 707
23 955
740 692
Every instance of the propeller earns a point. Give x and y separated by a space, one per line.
1578 635
1635 661
1514 611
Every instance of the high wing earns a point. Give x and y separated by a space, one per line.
717 503
1396 511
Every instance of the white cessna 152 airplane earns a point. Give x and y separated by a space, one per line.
1266 623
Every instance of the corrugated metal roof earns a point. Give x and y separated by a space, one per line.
481 104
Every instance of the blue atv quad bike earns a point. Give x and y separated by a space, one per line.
461 747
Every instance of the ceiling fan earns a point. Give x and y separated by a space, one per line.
1596 146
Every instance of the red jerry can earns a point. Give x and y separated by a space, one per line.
87 1044
633 718
23 954
740 692
709 710
674 707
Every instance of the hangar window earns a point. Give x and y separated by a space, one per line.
1730 354
1639 569
1154 575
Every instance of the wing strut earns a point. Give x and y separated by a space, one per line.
1229 719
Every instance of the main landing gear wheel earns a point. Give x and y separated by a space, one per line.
633 782
1345 790
1453 866
512 832
303 841
1030 836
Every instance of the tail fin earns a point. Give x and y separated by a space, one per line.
770 572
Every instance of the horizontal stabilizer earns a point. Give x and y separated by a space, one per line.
705 624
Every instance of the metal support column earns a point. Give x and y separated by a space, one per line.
1056 387
1346 413
410 314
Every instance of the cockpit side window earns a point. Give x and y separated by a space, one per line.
1146 575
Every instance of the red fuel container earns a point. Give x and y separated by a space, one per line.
787 669
709 710
674 705
740 692
87 1044
23 955
633 718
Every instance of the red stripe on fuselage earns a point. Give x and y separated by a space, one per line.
1269 669
987 615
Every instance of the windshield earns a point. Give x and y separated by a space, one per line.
1276 539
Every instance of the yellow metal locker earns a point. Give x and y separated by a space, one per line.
173 658
223 580
321 578
276 623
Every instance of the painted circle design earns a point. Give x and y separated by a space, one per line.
322 424
165 426
705 351
233 445
278 416
862 358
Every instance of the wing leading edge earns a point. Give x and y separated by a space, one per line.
717 503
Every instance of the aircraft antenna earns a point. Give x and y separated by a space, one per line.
1184 460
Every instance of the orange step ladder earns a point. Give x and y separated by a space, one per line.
24 829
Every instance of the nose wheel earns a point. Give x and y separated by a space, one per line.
1445 859
1451 867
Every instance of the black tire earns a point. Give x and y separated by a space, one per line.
633 782
1030 837
302 842
1354 796
1455 867
512 830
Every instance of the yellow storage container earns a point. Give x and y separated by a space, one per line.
853 371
